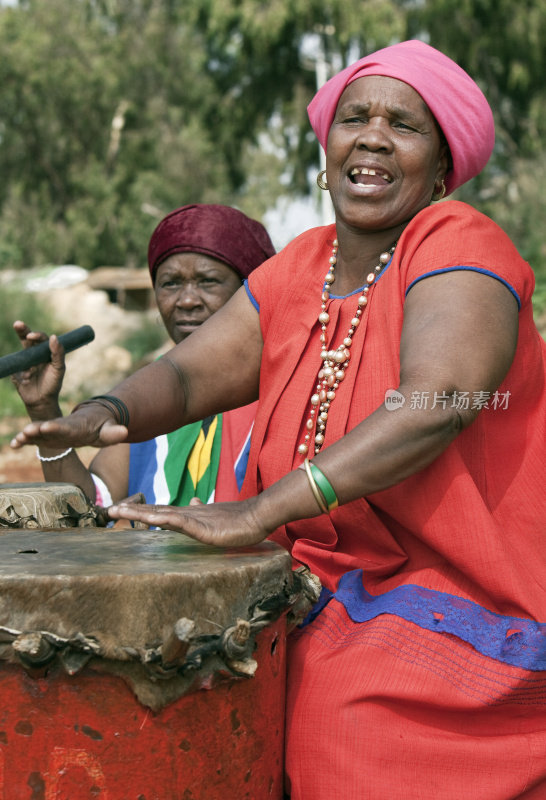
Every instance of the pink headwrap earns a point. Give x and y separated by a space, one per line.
455 100
218 231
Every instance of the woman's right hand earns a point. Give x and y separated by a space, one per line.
92 424
39 386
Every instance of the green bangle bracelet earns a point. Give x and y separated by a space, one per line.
325 487
319 497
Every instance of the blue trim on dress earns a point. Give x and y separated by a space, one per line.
359 290
511 640
469 269
251 297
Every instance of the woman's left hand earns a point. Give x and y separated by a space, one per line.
219 524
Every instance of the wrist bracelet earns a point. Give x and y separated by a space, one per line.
120 406
314 488
113 404
324 486
52 458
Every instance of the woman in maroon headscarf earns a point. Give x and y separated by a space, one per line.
396 357
198 257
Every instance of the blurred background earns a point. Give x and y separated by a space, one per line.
114 112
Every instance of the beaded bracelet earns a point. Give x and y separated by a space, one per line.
52 458
112 403
314 488
324 486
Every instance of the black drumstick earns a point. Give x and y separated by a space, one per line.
41 354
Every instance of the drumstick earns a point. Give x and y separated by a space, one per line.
41 354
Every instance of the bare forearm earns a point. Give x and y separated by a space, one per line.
69 469
364 461
164 396
155 400
380 452
215 369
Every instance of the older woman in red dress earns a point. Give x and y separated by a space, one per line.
398 450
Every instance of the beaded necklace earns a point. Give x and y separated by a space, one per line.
334 362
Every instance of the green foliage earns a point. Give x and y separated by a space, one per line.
501 44
16 303
143 105
255 61
518 203
101 130
148 337
10 403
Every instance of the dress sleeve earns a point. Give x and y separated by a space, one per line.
454 236
258 286
275 281
258 289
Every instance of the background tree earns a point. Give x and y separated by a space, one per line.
100 129
501 43
142 105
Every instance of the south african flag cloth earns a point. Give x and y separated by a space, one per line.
206 459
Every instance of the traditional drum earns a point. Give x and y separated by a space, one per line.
46 505
142 665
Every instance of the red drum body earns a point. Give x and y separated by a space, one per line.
87 737
141 665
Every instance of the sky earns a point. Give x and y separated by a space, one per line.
290 217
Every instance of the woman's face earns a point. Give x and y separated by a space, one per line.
384 154
189 288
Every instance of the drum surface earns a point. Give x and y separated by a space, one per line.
150 603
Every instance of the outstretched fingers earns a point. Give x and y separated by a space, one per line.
70 432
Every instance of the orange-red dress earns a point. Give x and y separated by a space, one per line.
423 673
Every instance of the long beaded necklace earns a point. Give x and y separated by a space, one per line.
334 362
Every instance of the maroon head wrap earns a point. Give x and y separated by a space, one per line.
218 231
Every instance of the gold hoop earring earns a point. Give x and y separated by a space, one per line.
322 184
440 194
